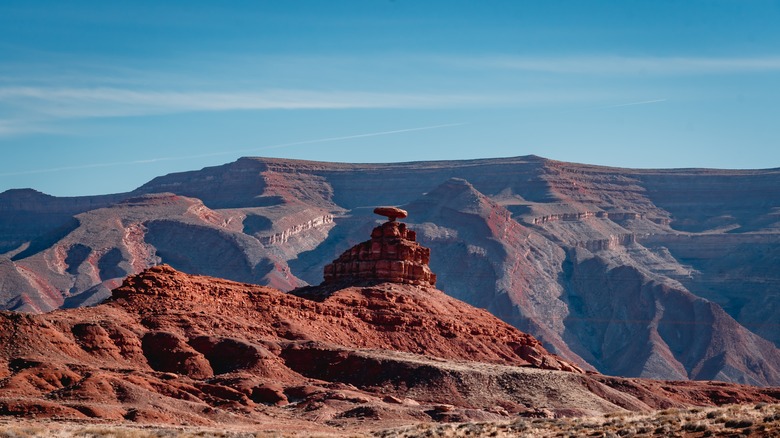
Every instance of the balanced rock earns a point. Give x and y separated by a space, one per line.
392 213
392 255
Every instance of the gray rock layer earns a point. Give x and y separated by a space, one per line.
651 273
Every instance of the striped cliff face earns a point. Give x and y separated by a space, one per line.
647 273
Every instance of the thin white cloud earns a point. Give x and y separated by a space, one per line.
112 102
621 64
6 127
642 102
11 127
233 152
36 106
351 137
144 90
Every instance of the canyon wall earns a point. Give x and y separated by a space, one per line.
652 273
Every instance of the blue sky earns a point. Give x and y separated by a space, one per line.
99 97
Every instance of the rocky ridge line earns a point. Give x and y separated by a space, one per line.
173 348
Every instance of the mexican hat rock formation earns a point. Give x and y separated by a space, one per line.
392 255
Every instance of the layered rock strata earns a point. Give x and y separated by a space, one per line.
172 348
391 255
588 259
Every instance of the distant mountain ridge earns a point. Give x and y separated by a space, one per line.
652 273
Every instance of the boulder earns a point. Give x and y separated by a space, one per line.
392 213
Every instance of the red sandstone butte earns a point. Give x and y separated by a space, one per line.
391 255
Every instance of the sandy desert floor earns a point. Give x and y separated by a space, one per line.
754 420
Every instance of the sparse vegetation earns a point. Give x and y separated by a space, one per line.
31 429
760 420
753 421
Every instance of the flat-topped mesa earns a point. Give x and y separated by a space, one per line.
391 255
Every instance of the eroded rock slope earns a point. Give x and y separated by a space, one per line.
176 348
655 273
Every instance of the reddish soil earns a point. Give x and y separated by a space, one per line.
182 349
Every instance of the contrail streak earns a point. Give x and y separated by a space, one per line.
349 137
617 105
214 154
643 102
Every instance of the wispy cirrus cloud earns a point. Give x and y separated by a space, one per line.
111 102
230 152
10 127
38 109
34 107
627 64
420 64
98 89
641 102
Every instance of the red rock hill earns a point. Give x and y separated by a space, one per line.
176 348
666 274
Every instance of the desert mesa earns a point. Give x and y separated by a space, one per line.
661 274
375 345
